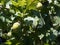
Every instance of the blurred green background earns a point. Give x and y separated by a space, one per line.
29 22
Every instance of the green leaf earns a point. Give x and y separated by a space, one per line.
8 42
32 7
22 3
46 44
15 3
57 19
29 2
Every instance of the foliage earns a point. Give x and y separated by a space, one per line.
29 22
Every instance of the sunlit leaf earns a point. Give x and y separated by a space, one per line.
22 3
15 3
8 42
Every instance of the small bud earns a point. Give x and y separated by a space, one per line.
9 33
39 5
15 25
